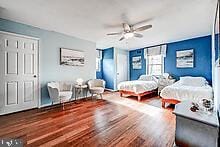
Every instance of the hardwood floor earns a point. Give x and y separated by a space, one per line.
113 121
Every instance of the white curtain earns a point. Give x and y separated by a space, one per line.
156 50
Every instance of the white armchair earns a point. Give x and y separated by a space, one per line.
96 86
59 92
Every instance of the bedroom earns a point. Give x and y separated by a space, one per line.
81 85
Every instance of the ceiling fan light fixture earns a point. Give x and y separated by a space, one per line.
129 35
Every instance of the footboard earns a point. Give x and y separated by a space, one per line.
139 95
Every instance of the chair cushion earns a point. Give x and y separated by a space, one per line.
65 95
96 83
97 90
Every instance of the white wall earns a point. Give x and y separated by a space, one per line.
217 87
215 66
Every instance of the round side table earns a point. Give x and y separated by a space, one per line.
78 90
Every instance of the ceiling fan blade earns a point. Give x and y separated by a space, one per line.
122 38
143 28
126 27
119 33
138 35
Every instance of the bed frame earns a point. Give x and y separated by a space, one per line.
130 93
170 101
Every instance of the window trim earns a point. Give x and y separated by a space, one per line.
147 65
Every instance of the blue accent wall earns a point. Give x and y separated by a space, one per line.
202 59
135 73
108 71
50 44
98 74
217 47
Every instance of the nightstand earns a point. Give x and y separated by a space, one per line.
163 82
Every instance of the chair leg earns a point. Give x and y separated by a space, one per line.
101 96
139 98
121 95
92 96
63 105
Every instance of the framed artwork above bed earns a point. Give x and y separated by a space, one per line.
185 58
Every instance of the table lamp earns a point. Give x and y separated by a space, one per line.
79 81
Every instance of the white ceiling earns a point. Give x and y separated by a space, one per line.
172 20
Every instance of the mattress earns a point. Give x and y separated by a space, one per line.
137 86
181 92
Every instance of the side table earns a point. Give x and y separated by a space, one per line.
163 83
78 90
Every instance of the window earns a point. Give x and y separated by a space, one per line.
155 65
98 64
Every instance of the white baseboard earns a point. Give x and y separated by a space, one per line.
110 90
45 105
72 99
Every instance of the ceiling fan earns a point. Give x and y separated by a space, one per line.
129 31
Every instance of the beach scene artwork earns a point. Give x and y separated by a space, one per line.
71 57
136 62
185 58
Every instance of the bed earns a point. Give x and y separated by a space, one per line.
143 86
187 88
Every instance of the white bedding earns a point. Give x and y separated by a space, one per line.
137 86
181 92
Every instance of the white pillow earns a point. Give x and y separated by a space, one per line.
193 81
146 78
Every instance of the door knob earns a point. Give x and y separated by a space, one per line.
35 76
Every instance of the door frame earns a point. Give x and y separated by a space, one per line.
38 67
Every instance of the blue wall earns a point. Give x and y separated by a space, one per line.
217 47
98 74
108 71
202 59
50 44
135 73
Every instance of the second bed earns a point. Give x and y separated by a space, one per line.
143 86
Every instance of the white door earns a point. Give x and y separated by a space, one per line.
18 72
122 67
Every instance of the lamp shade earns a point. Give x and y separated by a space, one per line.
79 81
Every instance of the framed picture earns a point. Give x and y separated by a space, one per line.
136 62
71 57
185 58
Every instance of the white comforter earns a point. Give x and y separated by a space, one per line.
181 92
137 86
